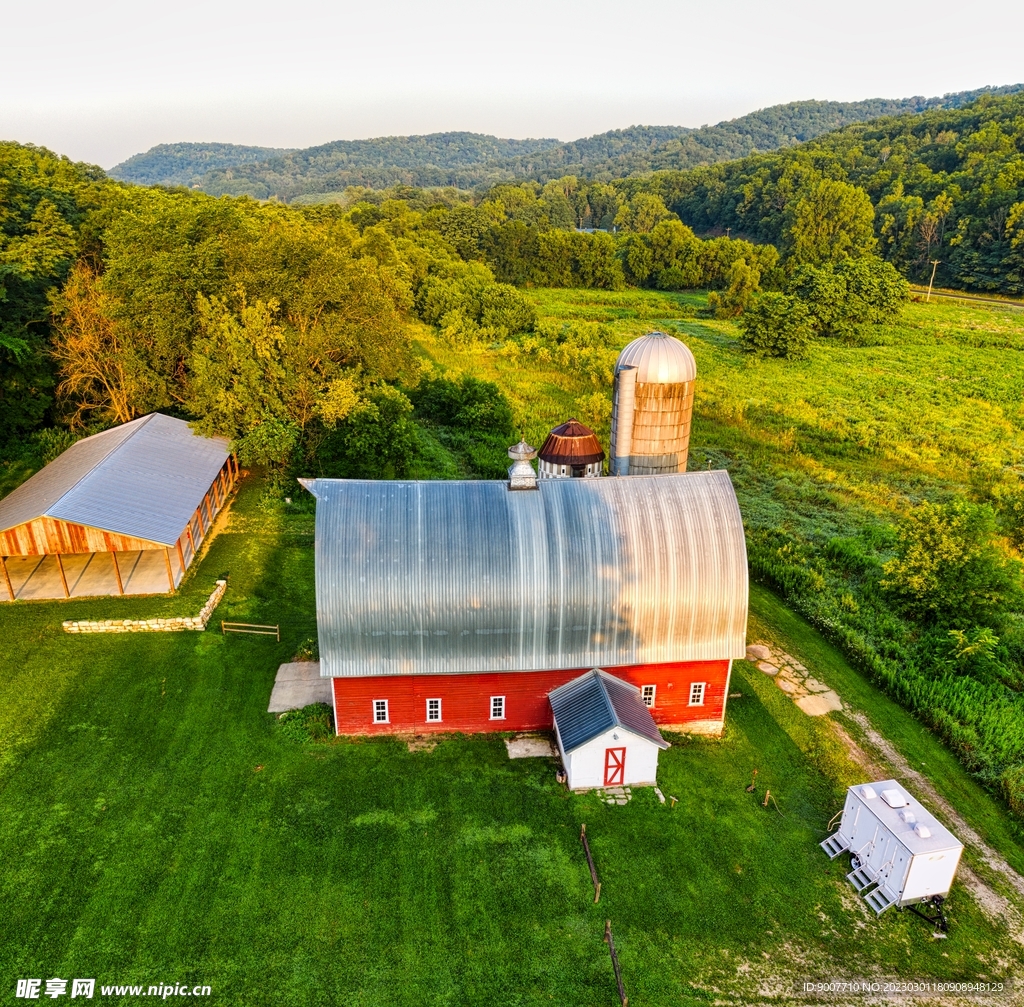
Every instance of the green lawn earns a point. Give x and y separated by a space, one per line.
157 826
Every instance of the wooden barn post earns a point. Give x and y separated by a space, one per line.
181 556
209 513
191 540
170 575
7 576
63 579
117 571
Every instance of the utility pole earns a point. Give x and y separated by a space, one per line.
935 265
728 233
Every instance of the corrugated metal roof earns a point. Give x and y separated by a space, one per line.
660 358
144 479
597 702
440 577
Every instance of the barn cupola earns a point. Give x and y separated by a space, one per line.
521 474
571 451
652 406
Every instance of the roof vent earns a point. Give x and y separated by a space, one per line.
923 831
868 793
894 798
521 475
908 816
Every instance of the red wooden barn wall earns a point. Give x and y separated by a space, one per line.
466 699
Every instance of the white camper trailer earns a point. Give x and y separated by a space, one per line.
900 854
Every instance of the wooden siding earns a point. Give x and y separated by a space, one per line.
46 536
465 699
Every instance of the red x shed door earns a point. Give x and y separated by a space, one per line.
614 767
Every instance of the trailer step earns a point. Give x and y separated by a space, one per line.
879 900
860 878
834 845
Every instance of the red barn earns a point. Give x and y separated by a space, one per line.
459 606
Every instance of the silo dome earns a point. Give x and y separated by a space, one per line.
658 357
571 449
652 406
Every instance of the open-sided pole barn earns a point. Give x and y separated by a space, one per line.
122 512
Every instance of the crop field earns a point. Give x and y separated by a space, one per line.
157 825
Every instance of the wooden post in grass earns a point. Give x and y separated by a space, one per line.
7 576
590 862
117 571
63 579
935 265
623 999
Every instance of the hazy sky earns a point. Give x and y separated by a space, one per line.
100 81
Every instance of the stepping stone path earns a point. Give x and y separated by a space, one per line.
615 795
813 697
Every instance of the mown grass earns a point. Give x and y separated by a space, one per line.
156 825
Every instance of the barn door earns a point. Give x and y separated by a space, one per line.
614 767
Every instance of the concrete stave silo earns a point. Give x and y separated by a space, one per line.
652 407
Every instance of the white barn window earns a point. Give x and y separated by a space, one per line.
497 707
697 693
647 694
380 711
433 709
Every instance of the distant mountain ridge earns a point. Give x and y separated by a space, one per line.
471 160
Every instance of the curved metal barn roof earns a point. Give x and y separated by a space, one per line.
658 358
440 577
144 479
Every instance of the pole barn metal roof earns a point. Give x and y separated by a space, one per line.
442 577
596 702
144 479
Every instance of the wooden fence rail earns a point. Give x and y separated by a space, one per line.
251 627
623 999
590 862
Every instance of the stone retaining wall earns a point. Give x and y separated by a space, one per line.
197 623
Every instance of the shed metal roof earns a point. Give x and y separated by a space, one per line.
144 479
442 577
596 702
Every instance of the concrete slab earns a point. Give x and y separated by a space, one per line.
529 746
820 703
37 578
297 685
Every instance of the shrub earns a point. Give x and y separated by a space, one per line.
504 307
311 723
466 403
308 650
843 296
376 441
948 570
775 325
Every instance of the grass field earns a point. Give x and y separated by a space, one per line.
156 825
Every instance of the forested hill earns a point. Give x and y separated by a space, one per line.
436 159
945 186
639 149
187 163
471 160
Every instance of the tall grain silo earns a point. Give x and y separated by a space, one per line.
652 406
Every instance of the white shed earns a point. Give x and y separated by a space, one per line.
900 853
606 734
